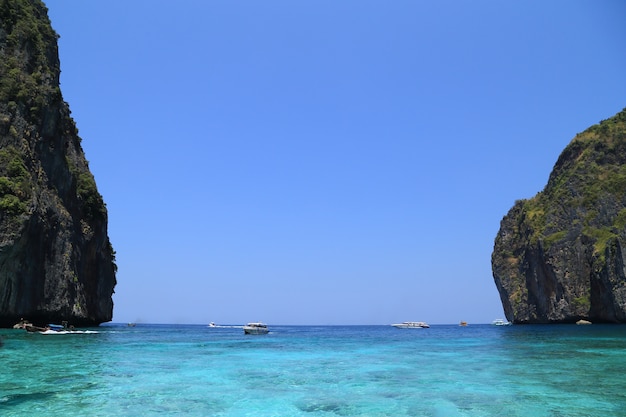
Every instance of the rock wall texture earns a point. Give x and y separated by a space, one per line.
56 260
560 256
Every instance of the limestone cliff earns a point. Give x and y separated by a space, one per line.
56 261
560 256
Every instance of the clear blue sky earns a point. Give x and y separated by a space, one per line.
325 161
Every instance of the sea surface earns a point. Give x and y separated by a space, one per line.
316 371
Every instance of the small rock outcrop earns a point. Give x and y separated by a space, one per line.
560 256
56 260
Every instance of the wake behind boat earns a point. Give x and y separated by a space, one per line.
411 325
224 326
50 331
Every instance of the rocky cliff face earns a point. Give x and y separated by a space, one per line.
560 256
56 261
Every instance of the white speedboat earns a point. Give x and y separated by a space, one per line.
500 322
255 328
411 325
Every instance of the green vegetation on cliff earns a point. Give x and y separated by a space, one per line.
27 74
586 190
15 183
93 204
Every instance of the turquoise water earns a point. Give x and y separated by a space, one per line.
444 371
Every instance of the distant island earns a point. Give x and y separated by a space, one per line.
56 260
560 257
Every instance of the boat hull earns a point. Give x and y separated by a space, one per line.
255 331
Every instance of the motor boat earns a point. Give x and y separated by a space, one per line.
411 325
255 328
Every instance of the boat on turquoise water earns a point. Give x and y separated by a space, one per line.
30 328
411 325
57 329
255 328
501 322
22 324
48 328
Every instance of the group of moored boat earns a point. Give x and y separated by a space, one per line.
261 328
422 325
50 328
